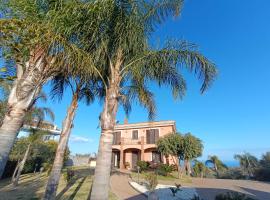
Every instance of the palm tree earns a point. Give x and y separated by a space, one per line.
81 90
248 162
40 47
218 164
199 168
127 61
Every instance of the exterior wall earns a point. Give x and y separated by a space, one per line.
127 144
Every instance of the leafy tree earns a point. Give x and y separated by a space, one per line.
265 161
128 64
170 145
181 147
217 164
199 168
248 162
33 137
191 148
42 152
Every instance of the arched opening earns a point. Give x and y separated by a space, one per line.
131 157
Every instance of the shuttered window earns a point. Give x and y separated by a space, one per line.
152 136
116 138
135 135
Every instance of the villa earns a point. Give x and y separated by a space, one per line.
137 141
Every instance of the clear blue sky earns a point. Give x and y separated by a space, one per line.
234 115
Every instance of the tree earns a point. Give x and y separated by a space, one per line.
39 48
248 162
191 148
265 161
169 145
128 63
33 137
199 168
217 164
81 90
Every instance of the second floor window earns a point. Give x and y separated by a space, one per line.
116 138
135 135
152 136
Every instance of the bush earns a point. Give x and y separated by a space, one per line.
69 175
164 169
232 196
151 178
262 174
233 173
143 165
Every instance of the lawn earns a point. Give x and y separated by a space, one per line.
32 186
170 179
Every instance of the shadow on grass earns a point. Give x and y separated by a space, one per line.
77 189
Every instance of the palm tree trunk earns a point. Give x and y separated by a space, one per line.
100 189
18 104
54 178
21 166
22 97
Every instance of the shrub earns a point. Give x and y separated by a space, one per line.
262 174
164 169
69 175
232 196
143 165
233 173
151 178
174 167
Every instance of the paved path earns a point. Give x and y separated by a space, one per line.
206 188
209 188
121 188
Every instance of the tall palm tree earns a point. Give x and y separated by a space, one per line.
81 90
40 48
127 61
248 162
217 163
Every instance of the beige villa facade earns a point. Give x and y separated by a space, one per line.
137 141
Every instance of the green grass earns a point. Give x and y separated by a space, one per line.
32 187
170 179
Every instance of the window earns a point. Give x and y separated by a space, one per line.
116 138
156 157
135 135
152 136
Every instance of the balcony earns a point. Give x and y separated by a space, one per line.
130 141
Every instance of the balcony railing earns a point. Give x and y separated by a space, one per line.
130 141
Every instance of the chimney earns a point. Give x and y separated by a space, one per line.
125 121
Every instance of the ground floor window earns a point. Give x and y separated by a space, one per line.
156 157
